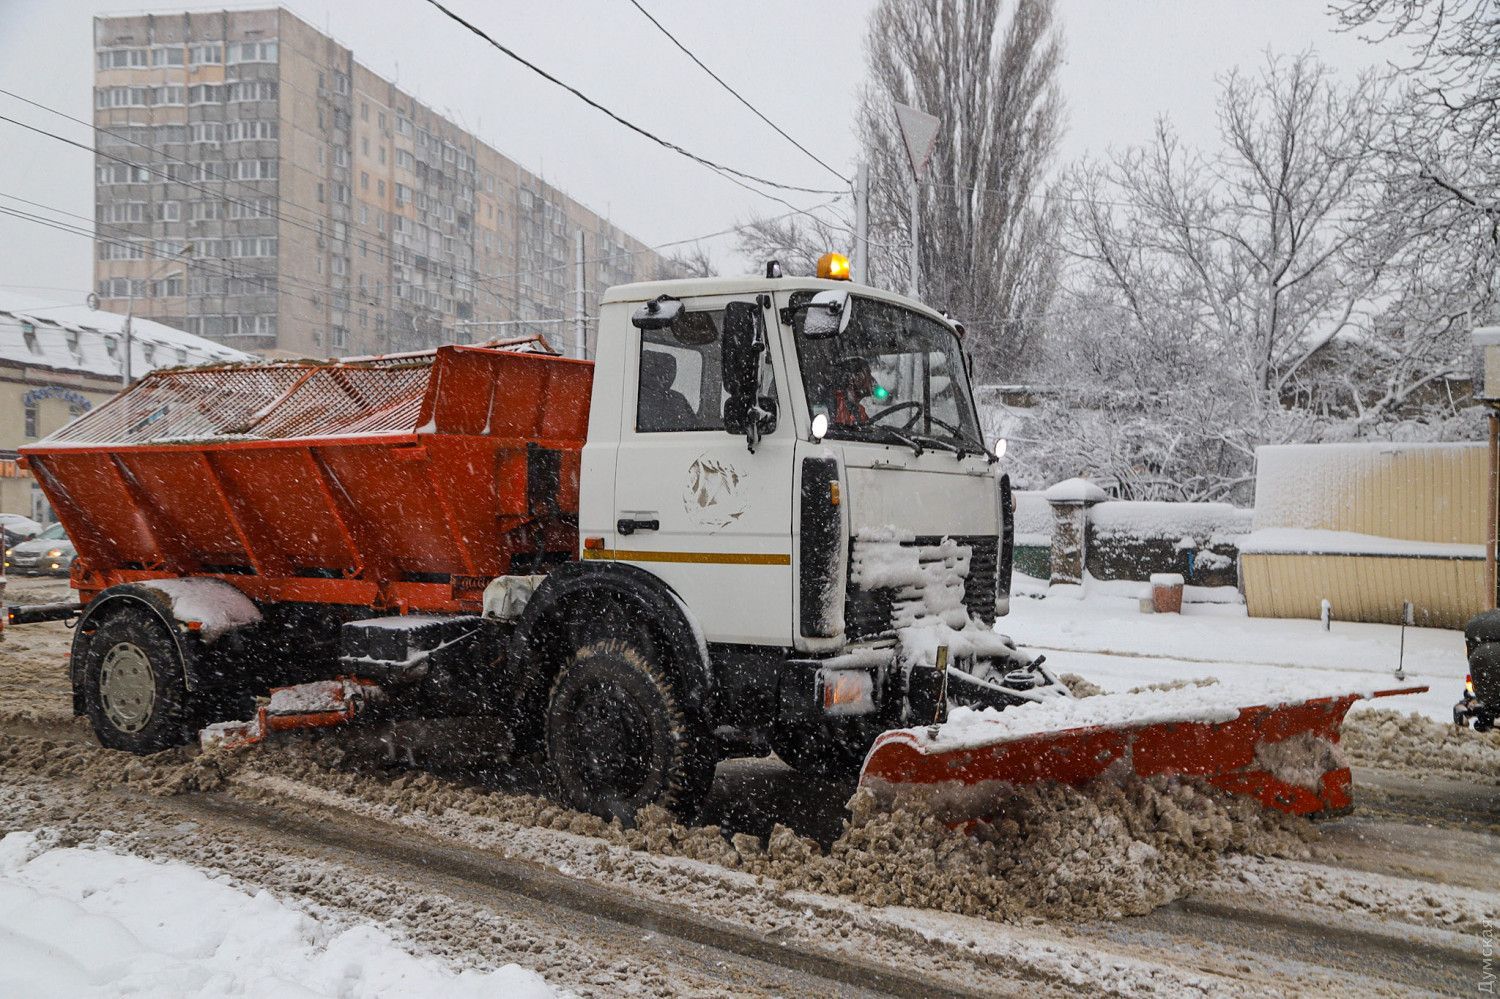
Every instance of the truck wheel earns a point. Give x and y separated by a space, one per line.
617 738
133 686
828 750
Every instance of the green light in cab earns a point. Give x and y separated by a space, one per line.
881 393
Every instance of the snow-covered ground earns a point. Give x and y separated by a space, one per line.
1100 633
83 922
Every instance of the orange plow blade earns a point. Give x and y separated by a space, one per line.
320 704
1284 756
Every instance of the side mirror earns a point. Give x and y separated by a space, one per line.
827 315
657 314
746 411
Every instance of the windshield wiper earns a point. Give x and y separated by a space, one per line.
941 443
892 432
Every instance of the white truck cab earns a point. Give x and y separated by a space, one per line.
798 461
724 520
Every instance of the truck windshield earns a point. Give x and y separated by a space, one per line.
892 374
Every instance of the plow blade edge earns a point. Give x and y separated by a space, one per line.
1284 756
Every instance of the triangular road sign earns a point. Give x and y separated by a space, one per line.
919 130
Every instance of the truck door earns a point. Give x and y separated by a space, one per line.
694 505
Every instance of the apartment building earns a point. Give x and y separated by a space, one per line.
258 186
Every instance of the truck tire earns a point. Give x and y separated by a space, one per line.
825 749
618 738
134 691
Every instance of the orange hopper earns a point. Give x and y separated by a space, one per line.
404 482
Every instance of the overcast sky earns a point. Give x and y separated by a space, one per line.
802 64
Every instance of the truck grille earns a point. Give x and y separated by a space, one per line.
869 613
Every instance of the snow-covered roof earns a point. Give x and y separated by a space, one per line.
77 338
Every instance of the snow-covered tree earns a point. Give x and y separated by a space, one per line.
1280 287
1450 126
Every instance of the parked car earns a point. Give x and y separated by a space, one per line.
50 553
15 528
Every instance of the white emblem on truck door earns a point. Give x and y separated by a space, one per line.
714 498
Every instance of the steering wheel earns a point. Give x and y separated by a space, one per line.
912 404
916 406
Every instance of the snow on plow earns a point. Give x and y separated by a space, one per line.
321 704
1283 753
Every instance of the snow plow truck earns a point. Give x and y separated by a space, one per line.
762 517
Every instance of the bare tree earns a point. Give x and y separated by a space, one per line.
795 241
1452 125
689 262
1278 288
990 75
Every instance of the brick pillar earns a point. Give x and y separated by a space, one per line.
1071 500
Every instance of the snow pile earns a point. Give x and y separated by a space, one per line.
1105 850
1074 490
1212 523
1413 744
79 922
175 771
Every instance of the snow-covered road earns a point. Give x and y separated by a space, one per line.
1103 637
302 862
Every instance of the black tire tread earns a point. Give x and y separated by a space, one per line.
691 777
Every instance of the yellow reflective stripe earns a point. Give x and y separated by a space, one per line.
717 558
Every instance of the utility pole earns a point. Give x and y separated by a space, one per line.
861 266
913 262
580 302
125 343
919 131
127 329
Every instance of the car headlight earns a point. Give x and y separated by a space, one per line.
54 553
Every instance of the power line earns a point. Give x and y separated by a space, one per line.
711 164
737 95
228 270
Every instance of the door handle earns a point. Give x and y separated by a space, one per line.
625 525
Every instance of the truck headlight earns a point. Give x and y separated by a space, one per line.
54 553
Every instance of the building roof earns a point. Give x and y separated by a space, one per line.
79 339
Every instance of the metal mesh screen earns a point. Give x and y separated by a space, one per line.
266 402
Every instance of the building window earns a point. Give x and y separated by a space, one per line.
167 55
200 55
122 58
31 419
252 52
